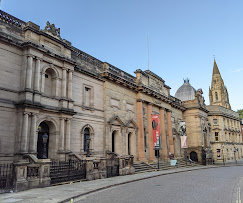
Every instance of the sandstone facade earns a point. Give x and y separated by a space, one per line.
55 95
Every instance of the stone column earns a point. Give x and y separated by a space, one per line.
141 151
43 82
61 139
70 75
150 133
37 75
163 134
169 128
29 72
64 81
67 147
24 136
33 135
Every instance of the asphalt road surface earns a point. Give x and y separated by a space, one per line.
222 184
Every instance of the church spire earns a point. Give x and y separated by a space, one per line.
218 94
215 68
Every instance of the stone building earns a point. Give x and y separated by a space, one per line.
197 123
226 139
213 131
129 103
47 87
57 101
60 99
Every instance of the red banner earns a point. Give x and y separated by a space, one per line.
156 131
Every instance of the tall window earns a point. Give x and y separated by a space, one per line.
129 143
215 121
113 142
86 139
87 96
216 136
49 88
216 96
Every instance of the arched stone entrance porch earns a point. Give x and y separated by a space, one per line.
131 138
115 141
47 128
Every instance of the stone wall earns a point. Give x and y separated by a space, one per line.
120 102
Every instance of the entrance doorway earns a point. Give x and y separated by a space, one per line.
115 142
193 156
43 141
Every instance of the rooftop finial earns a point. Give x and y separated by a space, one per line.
186 80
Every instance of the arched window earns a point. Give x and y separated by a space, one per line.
216 96
86 139
50 83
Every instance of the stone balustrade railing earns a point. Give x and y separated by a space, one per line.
222 110
176 101
86 57
120 73
11 20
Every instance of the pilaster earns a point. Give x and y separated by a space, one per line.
163 134
169 127
150 133
24 136
141 150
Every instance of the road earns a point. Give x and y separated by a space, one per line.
220 185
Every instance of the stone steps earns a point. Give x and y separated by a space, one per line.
141 167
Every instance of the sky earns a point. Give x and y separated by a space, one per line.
184 36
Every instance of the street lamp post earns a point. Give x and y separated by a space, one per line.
88 145
45 139
234 155
185 155
203 156
222 146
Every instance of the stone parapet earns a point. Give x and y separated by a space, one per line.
220 110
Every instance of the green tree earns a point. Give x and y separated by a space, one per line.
240 113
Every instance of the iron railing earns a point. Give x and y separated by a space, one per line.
66 171
6 177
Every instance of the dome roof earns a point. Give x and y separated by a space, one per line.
185 92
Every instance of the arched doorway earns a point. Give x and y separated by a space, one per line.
193 156
43 141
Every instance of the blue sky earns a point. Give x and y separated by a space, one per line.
183 36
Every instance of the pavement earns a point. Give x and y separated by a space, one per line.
64 193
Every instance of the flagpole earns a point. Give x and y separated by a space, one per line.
148 51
